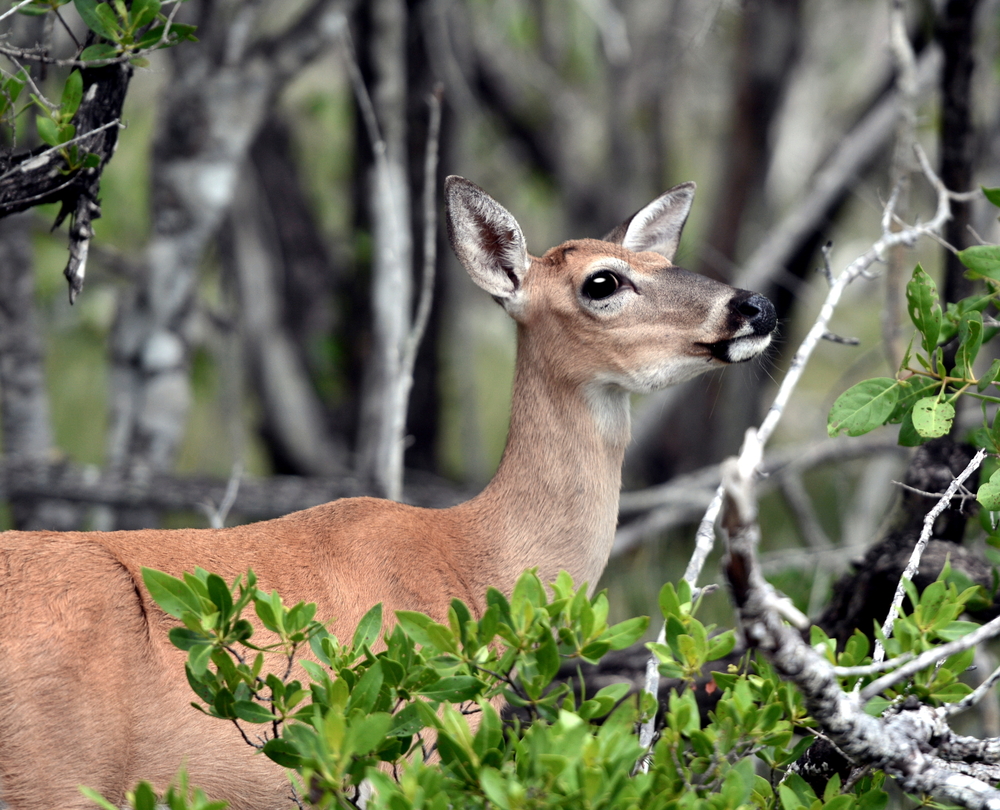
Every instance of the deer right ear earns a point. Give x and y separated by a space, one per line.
486 238
658 226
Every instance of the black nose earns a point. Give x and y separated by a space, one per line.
759 313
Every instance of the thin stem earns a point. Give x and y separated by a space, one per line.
918 550
61 146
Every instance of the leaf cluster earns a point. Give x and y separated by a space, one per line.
420 697
939 369
120 30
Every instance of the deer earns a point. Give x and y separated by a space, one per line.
93 693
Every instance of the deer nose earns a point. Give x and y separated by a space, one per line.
759 313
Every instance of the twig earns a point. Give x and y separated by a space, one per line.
854 151
13 53
36 160
871 669
422 316
14 8
975 695
987 631
964 495
918 549
217 516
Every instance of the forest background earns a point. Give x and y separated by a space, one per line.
245 299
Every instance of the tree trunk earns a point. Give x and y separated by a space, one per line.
24 404
383 406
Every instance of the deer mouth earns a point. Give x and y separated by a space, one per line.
738 349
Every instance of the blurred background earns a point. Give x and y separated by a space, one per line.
264 235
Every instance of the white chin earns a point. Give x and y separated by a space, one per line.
746 348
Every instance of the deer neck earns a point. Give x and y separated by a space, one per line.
553 502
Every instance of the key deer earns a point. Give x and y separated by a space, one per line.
92 692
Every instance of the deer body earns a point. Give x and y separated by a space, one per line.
92 692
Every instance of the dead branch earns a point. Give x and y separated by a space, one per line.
911 743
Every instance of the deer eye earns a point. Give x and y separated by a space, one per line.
600 285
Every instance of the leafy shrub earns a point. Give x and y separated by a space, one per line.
939 369
374 700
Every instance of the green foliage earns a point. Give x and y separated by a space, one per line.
921 397
393 692
331 712
176 797
124 31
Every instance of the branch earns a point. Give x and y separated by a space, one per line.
257 498
918 549
911 745
684 498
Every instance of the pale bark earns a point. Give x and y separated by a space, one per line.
384 393
25 431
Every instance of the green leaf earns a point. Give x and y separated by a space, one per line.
924 308
406 722
626 633
795 793
11 88
109 22
932 418
100 51
143 12
454 689
368 628
908 436
991 375
144 797
66 133
955 630
970 336
547 658
48 130
992 194
198 658
911 390
494 787
365 692
863 407
366 733
170 593
989 493
72 95
252 712
185 639
721 645
88 11
285 753
983 261
90 793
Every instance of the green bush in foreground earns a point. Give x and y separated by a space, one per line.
331 712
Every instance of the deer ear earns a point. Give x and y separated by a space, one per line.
486 238
658 226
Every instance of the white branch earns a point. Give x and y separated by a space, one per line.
918 549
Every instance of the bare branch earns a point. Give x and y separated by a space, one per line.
918 550
912 745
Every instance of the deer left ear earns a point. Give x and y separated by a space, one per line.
658 226
487 240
